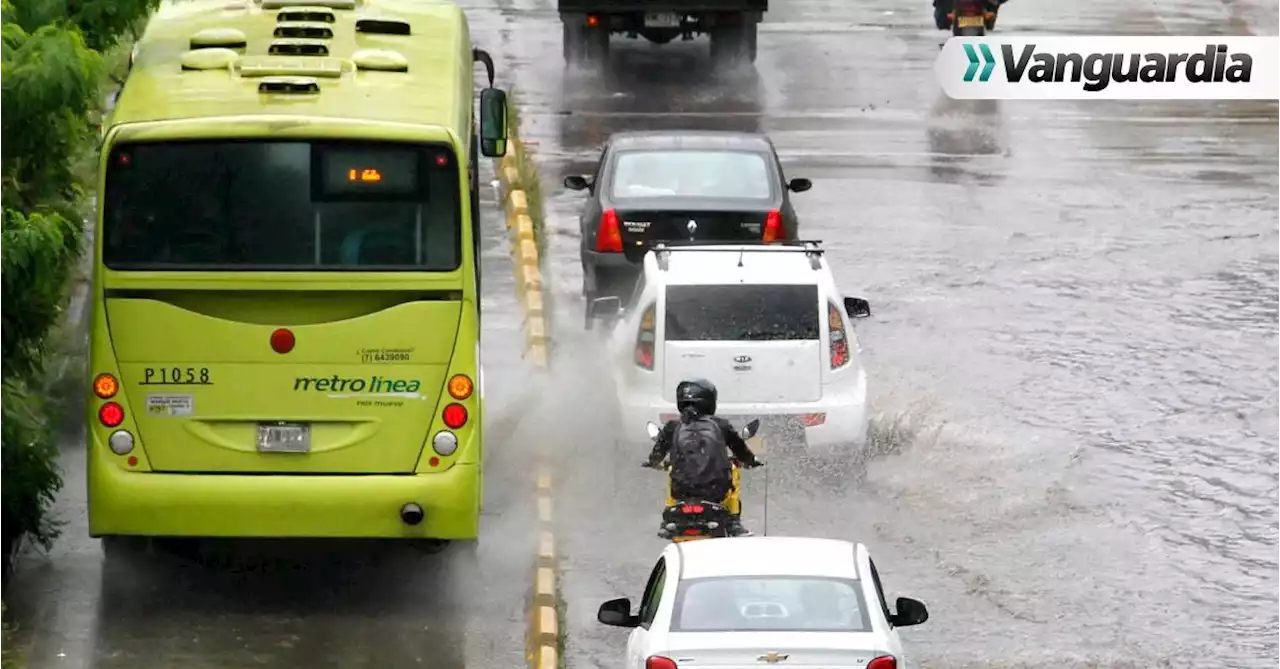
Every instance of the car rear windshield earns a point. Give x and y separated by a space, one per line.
689 173
742 313
770 604
277 205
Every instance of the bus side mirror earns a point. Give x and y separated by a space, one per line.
493 122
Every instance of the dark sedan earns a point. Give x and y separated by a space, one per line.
662 186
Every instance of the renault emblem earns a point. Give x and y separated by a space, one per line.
772 658
692 227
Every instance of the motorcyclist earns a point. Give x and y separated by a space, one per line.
696 398
942 7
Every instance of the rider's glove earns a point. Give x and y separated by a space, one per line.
649 464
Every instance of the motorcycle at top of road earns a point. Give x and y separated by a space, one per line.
966 18
690 520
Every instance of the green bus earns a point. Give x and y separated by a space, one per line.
285 305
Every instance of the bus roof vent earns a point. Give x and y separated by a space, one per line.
253 67
380 60
218 38
303 30
209 59
308 4
312 14
298 47
382 27
289 86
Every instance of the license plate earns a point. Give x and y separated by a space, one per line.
284 438
661 20
970 21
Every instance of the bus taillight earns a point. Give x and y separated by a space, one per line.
455 416
105 386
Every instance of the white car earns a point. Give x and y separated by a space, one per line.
749 601
764 322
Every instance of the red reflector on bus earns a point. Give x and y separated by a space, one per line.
282 341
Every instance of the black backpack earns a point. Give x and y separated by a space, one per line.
699 458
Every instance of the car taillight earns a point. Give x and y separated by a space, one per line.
691 508
455 416
839 338
773 226
111 414
659 662
813 419
645 339
609 234
883 662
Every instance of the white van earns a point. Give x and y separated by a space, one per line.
764 322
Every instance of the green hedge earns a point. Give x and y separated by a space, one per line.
53 84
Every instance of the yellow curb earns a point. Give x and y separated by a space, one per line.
547 657
544 509
537 353
529 279
533 305
517 204
535 331
547 546
547 621
524 227
527 252
511 175
546 582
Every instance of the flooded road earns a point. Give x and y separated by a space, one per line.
1072 351
1072 356
309 604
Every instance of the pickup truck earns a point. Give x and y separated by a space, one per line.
731 25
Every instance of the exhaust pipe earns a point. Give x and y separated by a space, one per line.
411 514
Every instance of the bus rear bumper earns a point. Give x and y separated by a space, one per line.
269 505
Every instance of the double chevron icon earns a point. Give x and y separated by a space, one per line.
987 57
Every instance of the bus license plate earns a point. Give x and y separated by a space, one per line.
661 20
284 438
970 21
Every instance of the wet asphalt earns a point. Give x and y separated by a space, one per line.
1072 352
1072 356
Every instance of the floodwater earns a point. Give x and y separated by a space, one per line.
1072 357
1073 347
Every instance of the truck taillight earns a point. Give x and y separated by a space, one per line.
609 234
839 338
773 226
645 339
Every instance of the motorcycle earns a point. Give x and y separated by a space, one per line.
965 18
689 520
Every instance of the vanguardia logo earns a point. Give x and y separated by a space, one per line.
1110 68
987 58
1098 70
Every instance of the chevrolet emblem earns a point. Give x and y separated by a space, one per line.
772 658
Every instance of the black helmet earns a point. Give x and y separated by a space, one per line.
696 395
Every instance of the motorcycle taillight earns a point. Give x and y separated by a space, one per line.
968 7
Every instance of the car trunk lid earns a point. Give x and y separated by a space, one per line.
202 376
732 650
642 227
758 343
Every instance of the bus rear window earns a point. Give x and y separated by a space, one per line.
276 205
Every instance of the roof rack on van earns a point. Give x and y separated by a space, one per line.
812 248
